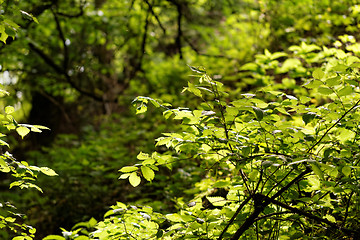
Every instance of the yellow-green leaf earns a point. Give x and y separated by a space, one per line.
128 169
48 171
330 218
318 74
148 173
134 179
22 131
53 237
346 170
9 110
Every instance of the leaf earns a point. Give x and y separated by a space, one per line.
22 131
48 171
346 170
196 69
308 117
259 113
29 16
217 201
333 81
192 88
325 90
134 179
148 173
128 169
291 97
142 156
318 74
317 170
124 176
253 175
21 238
82 237
347 90
53 237
221 184
9 110
330 218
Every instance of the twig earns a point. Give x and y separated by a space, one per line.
234 216
328 130
156 16
61 71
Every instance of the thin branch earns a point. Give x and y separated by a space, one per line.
272 214
328 130
347 208
311 216
144 39
63 40
179 35
263 203
156 16
61 71
278 183
197 51
234 216
79 14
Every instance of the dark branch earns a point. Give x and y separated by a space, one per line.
63 40
179 34
349 232
62 72
234 216
197 51
263 203
156 16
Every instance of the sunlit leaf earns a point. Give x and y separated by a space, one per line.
48 171
22 131
148 173
134 179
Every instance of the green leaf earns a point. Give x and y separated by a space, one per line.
346 170
318 74
221 184
333 81
148 173
22 131
325 90
259 113
48 171
2 163
317 170
308 117
128 169
347 90
134 179
194 90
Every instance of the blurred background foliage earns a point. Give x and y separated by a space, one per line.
79 68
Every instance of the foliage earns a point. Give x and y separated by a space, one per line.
24 174
280 163
90 58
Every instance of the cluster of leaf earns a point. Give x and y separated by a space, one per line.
282 162
24 174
